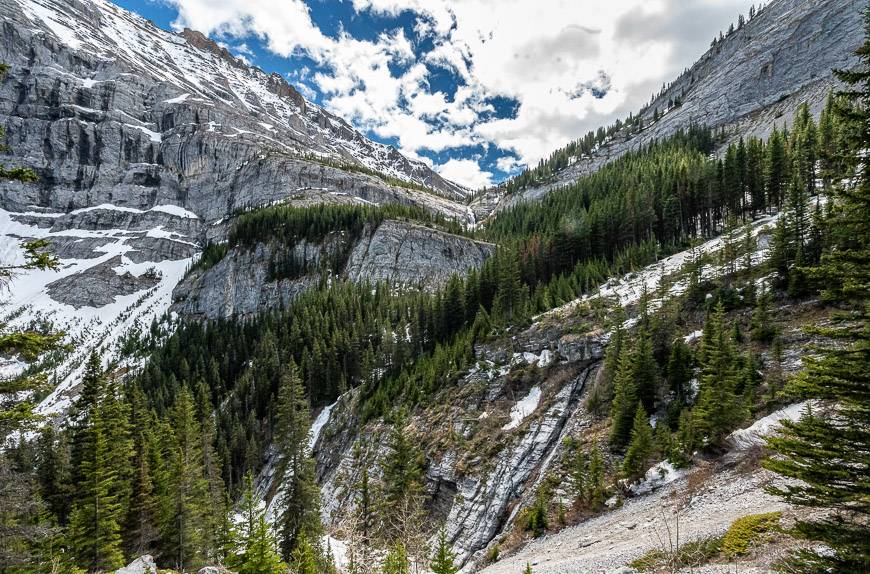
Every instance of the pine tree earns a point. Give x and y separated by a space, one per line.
718 407
443 559
760 324
183 533
645 371
304 559
640 449
300 497
142 525
256 550
579 475
53 471
827 454
396 561
624 401
95 523
596 486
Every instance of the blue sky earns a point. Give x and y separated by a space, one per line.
477 88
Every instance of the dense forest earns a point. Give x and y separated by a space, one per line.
155 460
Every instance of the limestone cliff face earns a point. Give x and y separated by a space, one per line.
108 108
748 83
403 253
245 282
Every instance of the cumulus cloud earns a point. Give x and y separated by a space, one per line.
465 172
570 65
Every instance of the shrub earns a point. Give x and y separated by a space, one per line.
745 531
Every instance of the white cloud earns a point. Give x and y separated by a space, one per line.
507 163
466 172
548 55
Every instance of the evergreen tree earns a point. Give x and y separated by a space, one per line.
396 561
142 525
95 523
827 455
184 532
596 486
718 407
256 548
644 371
53 471
300 498
640 449
625 401
304 559
443 559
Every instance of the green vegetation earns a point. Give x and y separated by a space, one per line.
748 531
827 454
153 463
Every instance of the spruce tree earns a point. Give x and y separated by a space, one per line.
443 559
596 487
625 401
142 524
645 371
304 559
256 550
95 523
640 449
718 408
300 496
827 455
396 561
184 532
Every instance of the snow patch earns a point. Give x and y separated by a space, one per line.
757 433
523 408
659 475
156 137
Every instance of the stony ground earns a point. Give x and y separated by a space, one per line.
703 504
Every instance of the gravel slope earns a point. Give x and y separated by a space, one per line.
606 543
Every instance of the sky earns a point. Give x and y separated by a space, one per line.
477 89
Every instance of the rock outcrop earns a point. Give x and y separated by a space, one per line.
100 285
244 283
408 254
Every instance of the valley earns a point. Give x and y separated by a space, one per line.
239 336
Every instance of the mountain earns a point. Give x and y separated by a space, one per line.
576 372
744 85
147 144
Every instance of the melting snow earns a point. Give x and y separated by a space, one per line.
524 407
659 475
757 432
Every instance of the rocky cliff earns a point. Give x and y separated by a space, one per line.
752 80
244 282
107 107
146 143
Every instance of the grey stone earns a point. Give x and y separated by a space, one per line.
99 285
397 251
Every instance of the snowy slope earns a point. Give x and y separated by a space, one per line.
102 327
